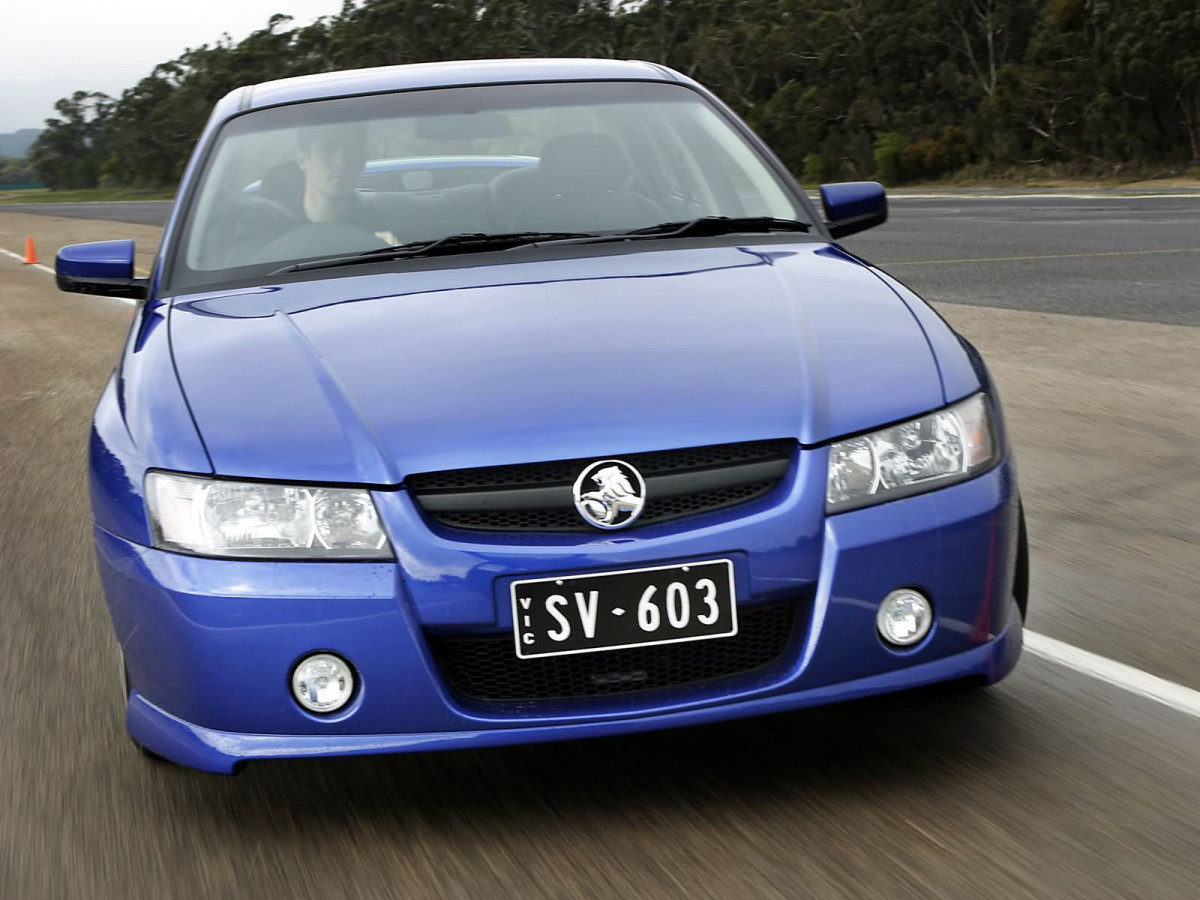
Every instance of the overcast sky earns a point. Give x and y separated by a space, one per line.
52 48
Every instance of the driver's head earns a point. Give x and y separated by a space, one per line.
332 158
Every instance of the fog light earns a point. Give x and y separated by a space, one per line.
904 617
322 683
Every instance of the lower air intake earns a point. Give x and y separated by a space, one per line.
487 668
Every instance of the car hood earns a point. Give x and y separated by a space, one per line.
369 378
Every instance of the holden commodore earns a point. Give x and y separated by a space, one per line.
606 433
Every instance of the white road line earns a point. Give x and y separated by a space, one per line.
1037 256
13 202
19 258
1133 680
1042 195
1032 195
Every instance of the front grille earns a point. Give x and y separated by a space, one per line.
538 496
488 669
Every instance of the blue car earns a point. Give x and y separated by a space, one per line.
617 440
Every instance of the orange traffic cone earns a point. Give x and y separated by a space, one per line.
30 254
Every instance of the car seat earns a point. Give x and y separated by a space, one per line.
582 183
284 183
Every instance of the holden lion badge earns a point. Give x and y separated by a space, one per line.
610 494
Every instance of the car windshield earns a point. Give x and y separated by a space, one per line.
350 175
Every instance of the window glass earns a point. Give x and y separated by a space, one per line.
311 180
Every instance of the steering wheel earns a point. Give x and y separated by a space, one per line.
246 222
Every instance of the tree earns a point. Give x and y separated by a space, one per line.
67 153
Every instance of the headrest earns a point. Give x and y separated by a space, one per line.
284 183
585 161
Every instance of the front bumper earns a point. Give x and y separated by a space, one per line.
210 643
222 751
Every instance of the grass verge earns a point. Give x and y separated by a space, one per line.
85 195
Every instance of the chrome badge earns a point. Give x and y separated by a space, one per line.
610 494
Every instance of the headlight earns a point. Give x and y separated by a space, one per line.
926 453
250 519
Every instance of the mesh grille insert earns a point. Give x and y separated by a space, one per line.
488 669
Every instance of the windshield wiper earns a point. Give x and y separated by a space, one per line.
444 246
704 226
708 226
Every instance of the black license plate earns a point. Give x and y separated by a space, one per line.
631 608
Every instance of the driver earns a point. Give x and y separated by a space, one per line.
319 190
332 158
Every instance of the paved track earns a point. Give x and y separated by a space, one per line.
1052 784
137 212
1122 258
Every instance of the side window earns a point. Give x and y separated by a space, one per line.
742 184
667 173
727 190
690 184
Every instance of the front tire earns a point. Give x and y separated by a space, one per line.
1021 573
1020 591
127 690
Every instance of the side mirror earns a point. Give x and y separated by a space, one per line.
105 268
853 206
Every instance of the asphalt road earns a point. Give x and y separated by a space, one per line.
1127 257
1052 784
137 212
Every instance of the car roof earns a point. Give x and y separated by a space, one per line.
443 74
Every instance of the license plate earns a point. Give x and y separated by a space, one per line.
632 608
